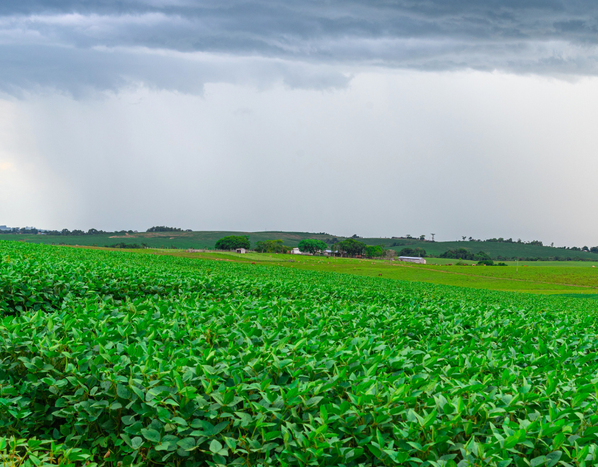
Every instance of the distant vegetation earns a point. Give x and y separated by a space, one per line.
232 242
499 249
413 252
272 246
312 245
163 228
131 246
351 247
462 253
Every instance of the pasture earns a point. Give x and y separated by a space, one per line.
115 358
532 277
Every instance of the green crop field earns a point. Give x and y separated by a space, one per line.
117 358
181 240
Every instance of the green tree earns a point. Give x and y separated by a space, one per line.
272 246
459 253
413 252
163 228
351 247
311 245
232 242
372 251
482 256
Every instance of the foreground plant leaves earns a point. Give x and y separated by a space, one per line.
150 360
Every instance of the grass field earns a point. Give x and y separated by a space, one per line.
534 277
114 358
207 239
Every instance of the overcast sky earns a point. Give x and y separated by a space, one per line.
375 117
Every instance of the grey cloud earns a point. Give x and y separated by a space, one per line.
57 43
81 72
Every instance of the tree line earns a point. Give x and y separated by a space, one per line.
347 247
78 232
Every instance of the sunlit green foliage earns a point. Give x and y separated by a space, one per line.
153 360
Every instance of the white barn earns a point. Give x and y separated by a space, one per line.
241 250
295 251
412 259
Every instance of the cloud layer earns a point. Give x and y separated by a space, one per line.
180 45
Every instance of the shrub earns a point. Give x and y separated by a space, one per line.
232 242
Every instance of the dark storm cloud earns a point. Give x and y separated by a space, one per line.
80 72
54 42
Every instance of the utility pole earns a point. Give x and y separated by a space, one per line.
432 236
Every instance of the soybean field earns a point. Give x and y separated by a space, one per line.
116 358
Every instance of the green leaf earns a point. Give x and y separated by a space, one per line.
187 444
375 451
271 435
511 441
313 401
430 419
136 442
151 435
122 392
215 446
553 458
128 420
324 414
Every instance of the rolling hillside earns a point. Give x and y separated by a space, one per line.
207 240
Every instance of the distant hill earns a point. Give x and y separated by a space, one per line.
183 240
207 239
497 250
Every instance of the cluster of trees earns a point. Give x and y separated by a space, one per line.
463 253
311 245
232 242
132 246
352 247
413 252
19 230
77 232
163 228
506 240
421 238
349 247
272 246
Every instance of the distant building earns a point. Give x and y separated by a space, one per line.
241 250
412 259
295 251
3 227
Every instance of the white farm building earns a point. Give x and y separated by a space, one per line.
412 259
